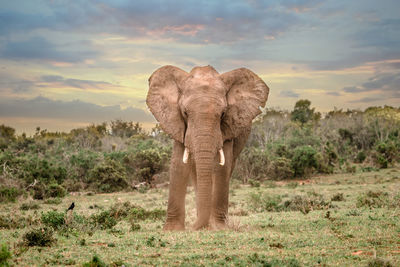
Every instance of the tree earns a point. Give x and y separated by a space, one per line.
303 113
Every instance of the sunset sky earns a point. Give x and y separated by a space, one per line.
65 64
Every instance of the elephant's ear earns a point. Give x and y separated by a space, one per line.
162 99
246 94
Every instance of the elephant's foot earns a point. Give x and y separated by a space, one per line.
199 225
218 225
174 227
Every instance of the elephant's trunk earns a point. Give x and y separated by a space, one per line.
204 168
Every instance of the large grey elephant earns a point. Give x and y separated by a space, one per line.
209 116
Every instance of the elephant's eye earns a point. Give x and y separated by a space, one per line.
222 115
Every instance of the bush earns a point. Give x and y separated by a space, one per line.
304 160
386 154
373 199
109 176
9 194
139 213
95 262
55 190
53 219
305 204
103 220
42 237
264 202
280 169
379 263
252 164
5 255
146 163
337 197
29 206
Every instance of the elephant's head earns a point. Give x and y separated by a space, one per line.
201 110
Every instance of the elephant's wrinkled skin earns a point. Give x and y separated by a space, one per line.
204 112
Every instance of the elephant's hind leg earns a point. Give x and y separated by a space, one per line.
179 174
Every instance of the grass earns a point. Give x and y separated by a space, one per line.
343 234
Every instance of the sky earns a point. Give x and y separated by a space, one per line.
66 64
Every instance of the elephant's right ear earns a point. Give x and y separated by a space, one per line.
162 99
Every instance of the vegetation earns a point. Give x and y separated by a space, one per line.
308 190
328 220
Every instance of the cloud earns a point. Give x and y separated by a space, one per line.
386 83
334 93
16 85
76 83
366 100
38 48
288 93
78 111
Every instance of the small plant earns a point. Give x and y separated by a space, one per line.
139 213
373 199
379 263
5 255
95 262
337 197
103 220
9 194
254 183
55 190
42 237
280 169
264 202
29 206
53 201
305 204
53 219
135 226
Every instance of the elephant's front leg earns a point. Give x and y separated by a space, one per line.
222 177
179 173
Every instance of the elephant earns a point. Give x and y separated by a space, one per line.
209 116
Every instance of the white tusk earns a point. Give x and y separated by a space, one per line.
221 157
185 155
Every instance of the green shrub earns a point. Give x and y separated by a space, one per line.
95 262
361 156
252 164
304 160
305 204
146 163
264 202
53 201
42 237
5 255
29 206
379 263
109 176
82 163
9 194
280 169
139 213
55 190
53 219
373 199
337 197
254 183
386 154
103 220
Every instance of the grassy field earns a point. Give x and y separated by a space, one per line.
338 220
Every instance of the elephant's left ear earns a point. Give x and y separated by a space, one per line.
246 94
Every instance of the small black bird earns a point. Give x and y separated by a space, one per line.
71 207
